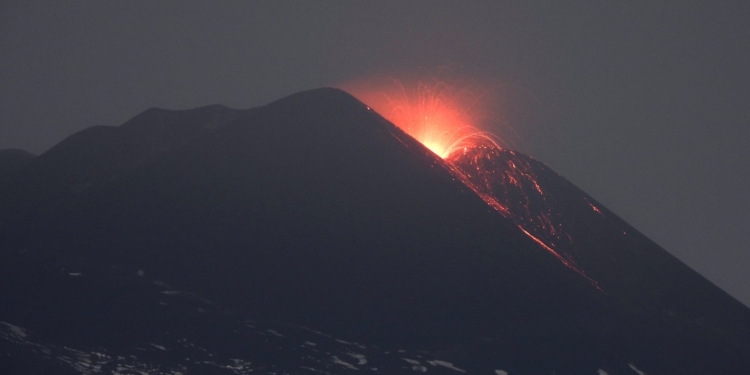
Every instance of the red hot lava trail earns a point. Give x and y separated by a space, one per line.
442 118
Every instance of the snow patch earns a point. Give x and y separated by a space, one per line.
348 365
361 359
158 346
275 333
501 372
639 372
419 368
445 364
15 330
411 361
602 372
311 369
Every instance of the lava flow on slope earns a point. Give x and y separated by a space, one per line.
443 118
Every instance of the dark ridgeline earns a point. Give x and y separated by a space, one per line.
313 211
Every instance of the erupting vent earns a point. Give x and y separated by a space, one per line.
442 118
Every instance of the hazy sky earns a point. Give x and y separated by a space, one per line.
645 106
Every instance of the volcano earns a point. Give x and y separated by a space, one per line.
310 236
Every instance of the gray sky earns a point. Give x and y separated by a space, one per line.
642 105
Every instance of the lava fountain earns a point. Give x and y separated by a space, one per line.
444 119
439 115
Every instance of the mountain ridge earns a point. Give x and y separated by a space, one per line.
315 210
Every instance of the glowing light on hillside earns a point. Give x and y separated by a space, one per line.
445 118
441 116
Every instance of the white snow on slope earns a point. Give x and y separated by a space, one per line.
275 333
445 364
348 365
361 359
15 330
639 372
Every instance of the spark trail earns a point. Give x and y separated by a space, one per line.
442 117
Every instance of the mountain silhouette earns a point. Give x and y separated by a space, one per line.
315 218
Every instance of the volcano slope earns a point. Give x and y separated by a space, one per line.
314 211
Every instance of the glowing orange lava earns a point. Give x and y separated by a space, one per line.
435 113
444 118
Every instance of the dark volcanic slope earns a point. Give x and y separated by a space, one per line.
11 162
315 211
100 154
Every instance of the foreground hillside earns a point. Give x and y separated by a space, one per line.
226 235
